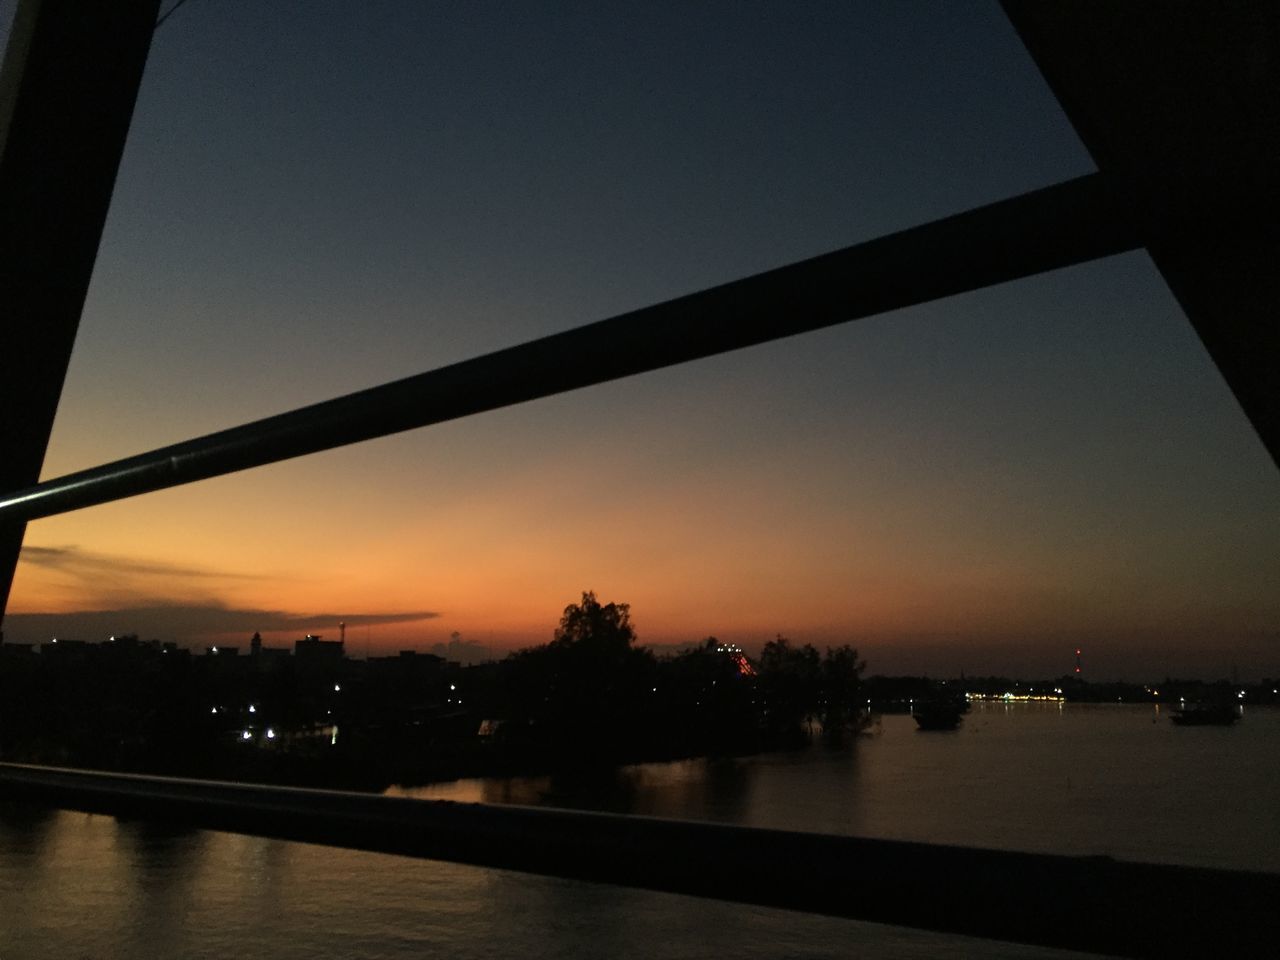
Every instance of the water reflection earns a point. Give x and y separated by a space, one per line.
819 789
1080 779
1077 778
724 789
723 792
25 829
155 867
614 790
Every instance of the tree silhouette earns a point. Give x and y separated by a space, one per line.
790 685
840 706
586 690
798 686
589 625
706 703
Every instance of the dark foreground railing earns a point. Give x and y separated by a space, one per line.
1084 903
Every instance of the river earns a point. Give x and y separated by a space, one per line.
1081 779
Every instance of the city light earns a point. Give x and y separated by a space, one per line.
734 652
271 734
246 735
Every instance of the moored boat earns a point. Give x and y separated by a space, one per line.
1206 714
938 714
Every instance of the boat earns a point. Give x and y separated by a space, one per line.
1206 714
938 714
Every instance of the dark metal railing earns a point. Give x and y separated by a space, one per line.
1087 903
1058 226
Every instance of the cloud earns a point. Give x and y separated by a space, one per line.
84 563
188 622
133 595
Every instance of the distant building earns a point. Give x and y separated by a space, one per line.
408 665
312 649
64 648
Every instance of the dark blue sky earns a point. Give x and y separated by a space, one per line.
320 196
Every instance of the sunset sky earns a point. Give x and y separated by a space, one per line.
317 197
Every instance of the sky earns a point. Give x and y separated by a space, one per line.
317 197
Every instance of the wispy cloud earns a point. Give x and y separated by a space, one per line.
85 563
161 600
190 622
103 581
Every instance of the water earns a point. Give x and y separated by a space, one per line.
1117 780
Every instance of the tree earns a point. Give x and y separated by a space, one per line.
590 625
790 684
840 708
799 686
590 687
705 702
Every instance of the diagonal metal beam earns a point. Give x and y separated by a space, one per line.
1065 224
67 88
1177 103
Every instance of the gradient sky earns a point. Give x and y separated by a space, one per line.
317 197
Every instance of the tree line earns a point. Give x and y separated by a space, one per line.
590 697
593 691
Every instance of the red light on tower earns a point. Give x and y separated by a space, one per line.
1077 660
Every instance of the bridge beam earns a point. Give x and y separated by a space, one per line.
67 88
1176 102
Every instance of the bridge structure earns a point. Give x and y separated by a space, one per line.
1176 103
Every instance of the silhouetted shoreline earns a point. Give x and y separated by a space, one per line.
590 699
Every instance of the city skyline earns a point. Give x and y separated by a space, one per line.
310 204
